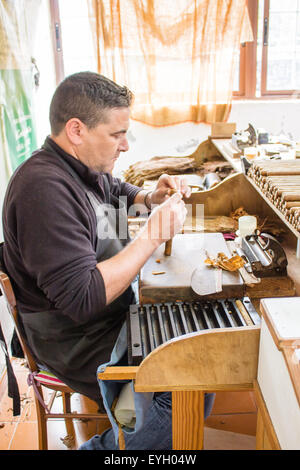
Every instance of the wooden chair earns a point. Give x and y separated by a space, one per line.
39 379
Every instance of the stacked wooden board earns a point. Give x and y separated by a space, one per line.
280 182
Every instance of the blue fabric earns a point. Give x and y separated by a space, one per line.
111 389
153 429
156 432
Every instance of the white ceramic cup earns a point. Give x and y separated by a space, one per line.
247 225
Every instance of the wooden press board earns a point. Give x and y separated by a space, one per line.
188 253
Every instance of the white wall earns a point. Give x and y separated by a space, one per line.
276 116
146 142
280 116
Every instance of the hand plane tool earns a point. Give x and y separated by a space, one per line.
264 255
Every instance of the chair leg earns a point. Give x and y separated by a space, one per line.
42 426
66 397
66 402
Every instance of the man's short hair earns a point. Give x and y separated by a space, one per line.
86 96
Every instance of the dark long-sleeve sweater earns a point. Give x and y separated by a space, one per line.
50 235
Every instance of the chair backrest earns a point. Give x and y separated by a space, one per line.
9 296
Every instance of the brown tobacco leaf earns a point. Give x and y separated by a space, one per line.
239 212
228 264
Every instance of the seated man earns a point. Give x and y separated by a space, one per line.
66 243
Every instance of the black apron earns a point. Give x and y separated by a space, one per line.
74 351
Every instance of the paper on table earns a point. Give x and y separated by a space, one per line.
206 280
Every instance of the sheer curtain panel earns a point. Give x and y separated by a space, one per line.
177 56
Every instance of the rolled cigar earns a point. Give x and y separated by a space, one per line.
291 196
265 169
276 164
290 204
168 248
286 189
168 244
280 171
295 210
279 189
276 177
285 182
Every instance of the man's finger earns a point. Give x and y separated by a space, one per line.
177 196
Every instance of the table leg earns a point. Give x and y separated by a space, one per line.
188 420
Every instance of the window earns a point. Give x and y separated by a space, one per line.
269 67
72 38
281 47
245 78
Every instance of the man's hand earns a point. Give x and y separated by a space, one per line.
166 220
165 185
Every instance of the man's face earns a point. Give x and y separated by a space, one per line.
101 146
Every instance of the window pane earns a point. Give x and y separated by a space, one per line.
77 42
284 45
260 23
280 5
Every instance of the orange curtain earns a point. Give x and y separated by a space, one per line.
177 56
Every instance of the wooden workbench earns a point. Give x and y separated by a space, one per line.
166 367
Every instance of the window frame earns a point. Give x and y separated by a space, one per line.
265 93
247 70
56 41
248 61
